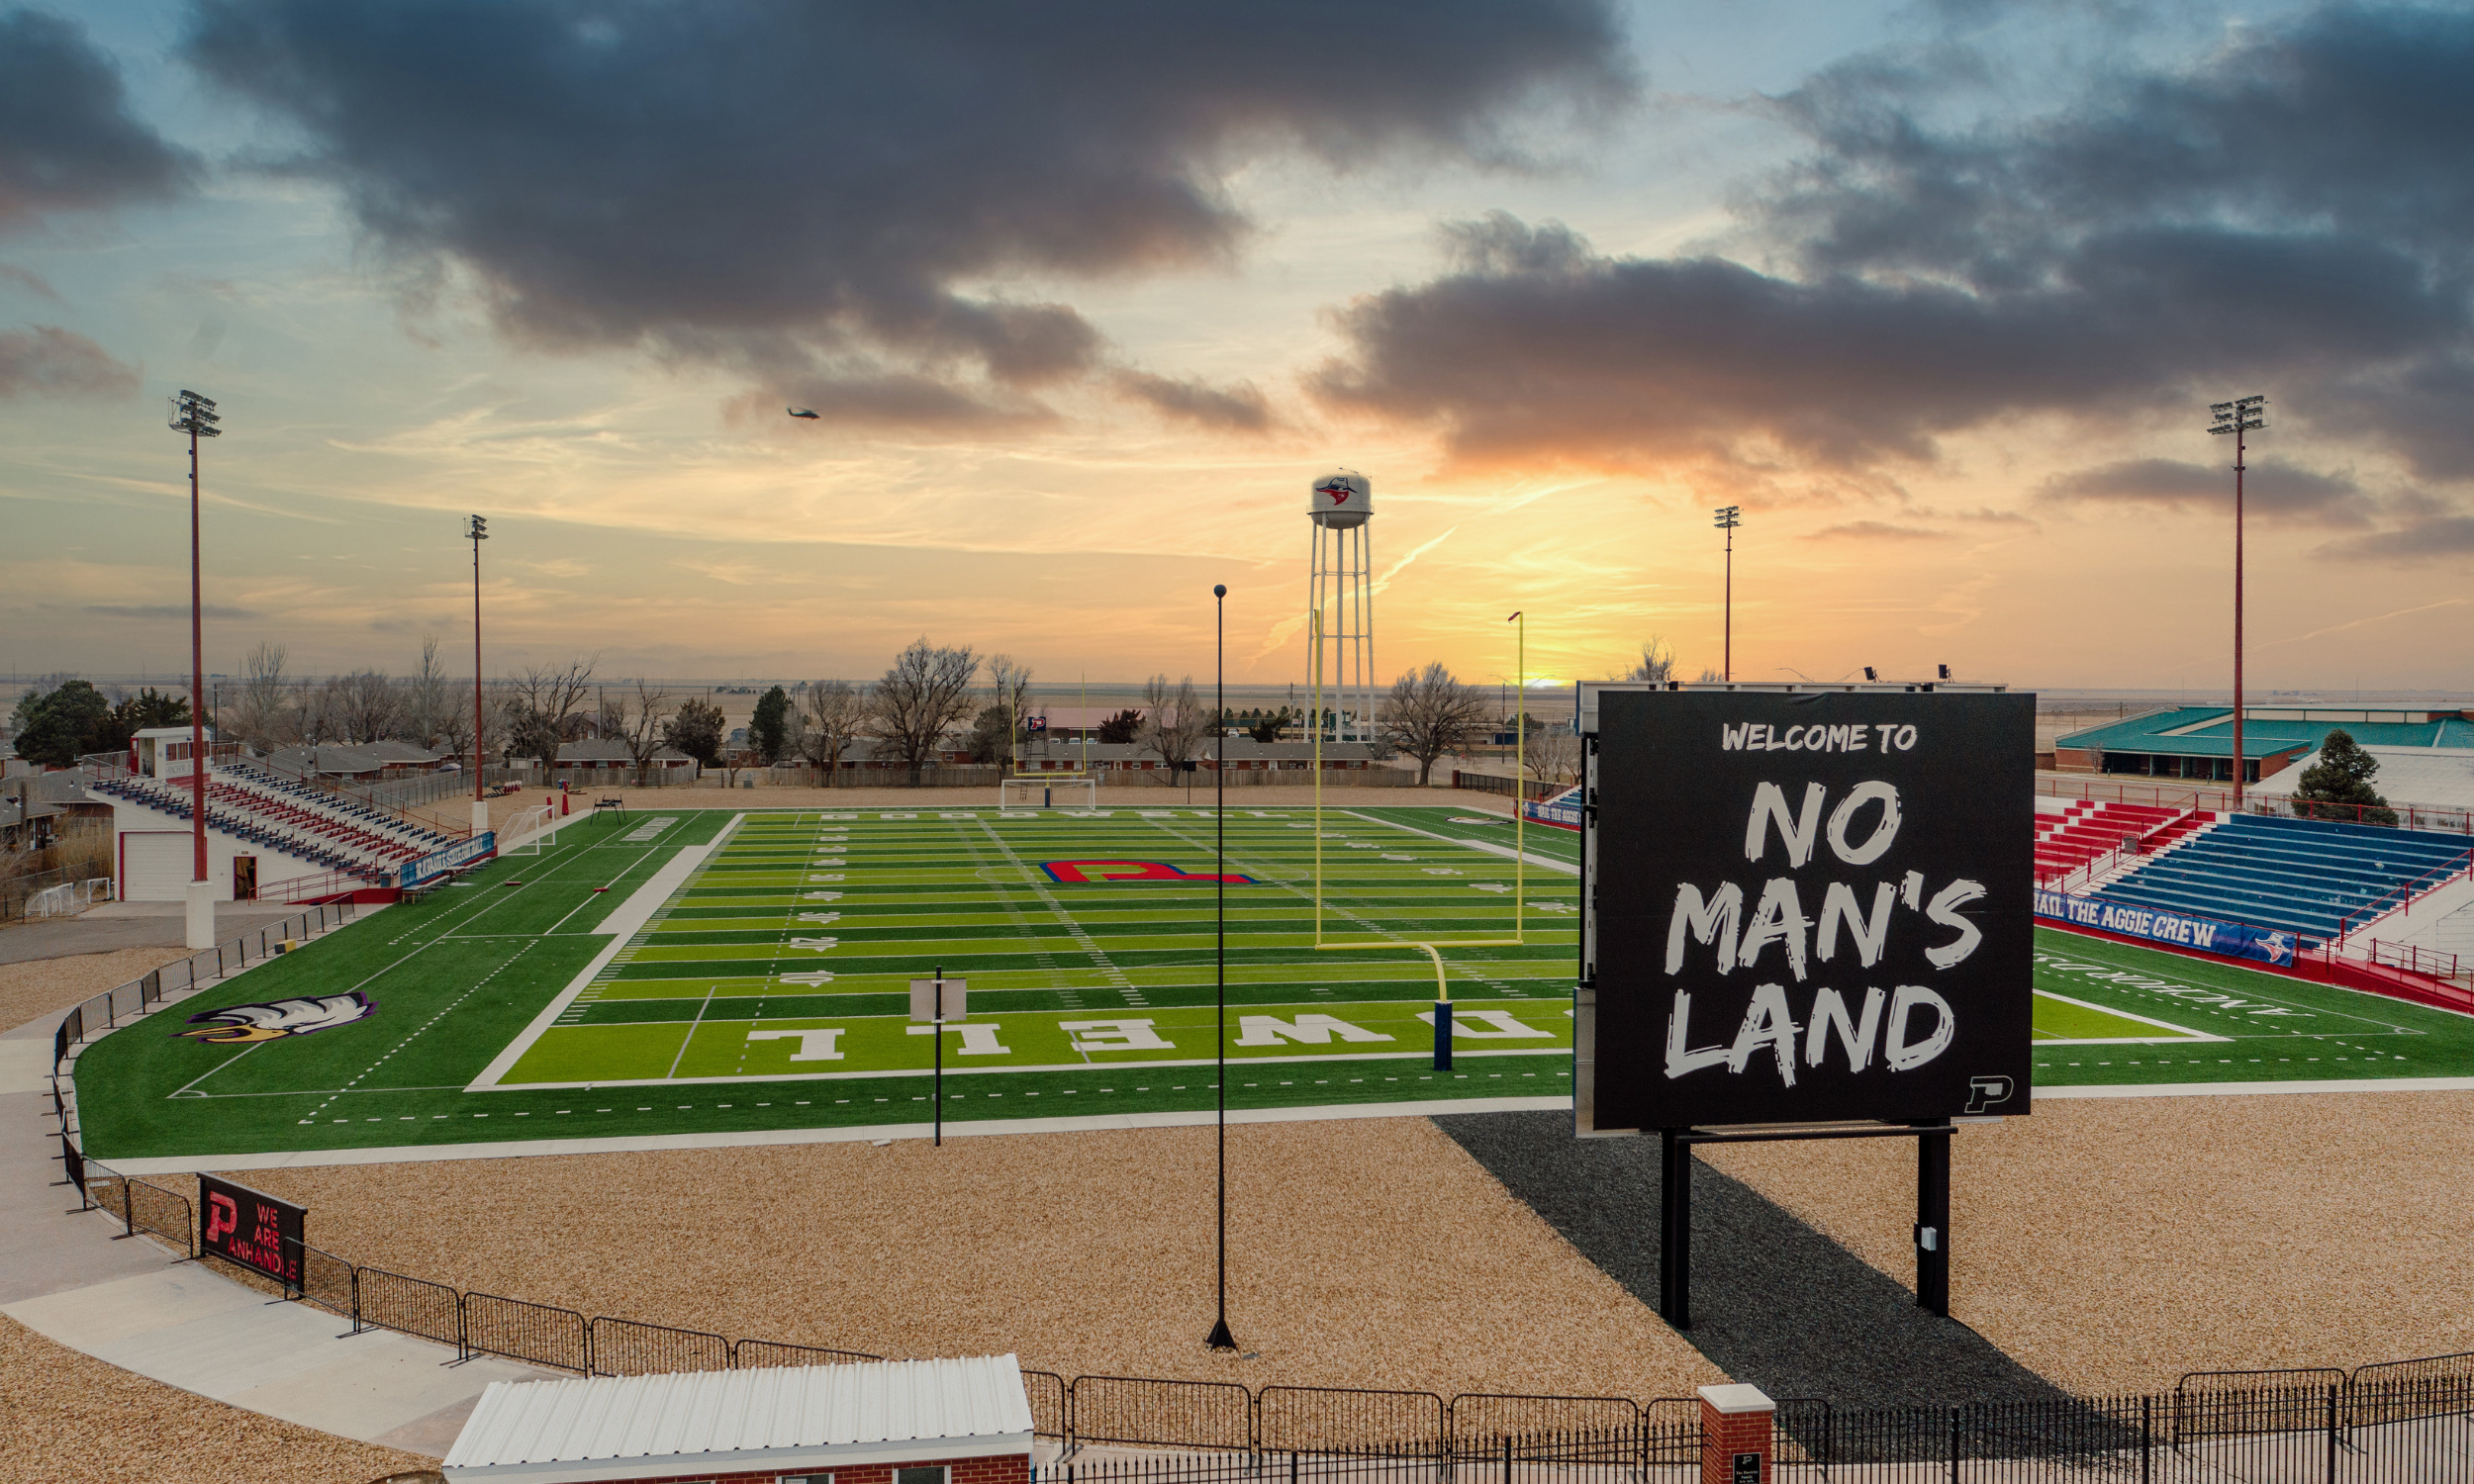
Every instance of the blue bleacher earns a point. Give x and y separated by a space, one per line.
2301 876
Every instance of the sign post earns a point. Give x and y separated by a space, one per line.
1806 914
929 1002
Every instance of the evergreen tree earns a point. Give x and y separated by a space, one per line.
146 710
696 731
1125 726
2338 786
769 732
55 727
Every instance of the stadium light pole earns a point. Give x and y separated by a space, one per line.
1728 517
196 415
477 531
2240 417
1221 1338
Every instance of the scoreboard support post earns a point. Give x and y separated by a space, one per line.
1933 1222
1674 1205
1675 1227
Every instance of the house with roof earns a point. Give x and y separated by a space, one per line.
603 754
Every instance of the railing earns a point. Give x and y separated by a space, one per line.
2402 897
332 884
1505 786
2454 819
2411 958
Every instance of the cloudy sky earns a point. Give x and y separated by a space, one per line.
1938 293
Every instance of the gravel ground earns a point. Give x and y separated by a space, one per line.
70 1419
2114 1243
1774 1302
49 986
1363 1253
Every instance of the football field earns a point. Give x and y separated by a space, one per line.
751 973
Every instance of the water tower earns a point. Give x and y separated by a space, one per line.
1341 589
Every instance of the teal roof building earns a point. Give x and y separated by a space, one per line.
2197 742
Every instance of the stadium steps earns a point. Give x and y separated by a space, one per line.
272 812
2299 875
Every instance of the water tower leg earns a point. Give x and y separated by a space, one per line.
201 914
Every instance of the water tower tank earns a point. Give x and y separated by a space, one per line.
1341 498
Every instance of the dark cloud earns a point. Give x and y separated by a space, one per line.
67 141
2291 215
1239 409
49 361
778 182
2433 538
163 611
2271 489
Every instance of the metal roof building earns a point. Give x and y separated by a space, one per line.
970 1419
2198 741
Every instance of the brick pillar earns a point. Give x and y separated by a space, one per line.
1735 1434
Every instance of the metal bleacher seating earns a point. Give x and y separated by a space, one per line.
278 813
2310 878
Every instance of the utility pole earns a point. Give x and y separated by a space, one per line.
195 415
2240 417
1221 1338
477 532
1728 517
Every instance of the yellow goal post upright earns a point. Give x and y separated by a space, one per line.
1431 948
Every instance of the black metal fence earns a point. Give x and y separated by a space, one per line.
17 891
1504 785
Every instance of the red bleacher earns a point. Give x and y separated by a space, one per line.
2088 829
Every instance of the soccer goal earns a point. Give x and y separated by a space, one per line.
1048 791
525 830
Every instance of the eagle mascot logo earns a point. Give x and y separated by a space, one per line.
282 1017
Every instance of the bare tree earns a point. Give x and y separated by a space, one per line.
923 694
1657 664
362 706
1009 686
265 715
544 700
1173 725
1429 713
640 724
836 713
1551 754
428 699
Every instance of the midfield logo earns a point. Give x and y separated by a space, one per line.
1091 874
282 1017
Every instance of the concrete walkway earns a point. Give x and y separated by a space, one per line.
130 924
72 1277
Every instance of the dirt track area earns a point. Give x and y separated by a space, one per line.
1361 1253
2114 1243
49 986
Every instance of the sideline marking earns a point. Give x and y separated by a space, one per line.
693 856
1506 851
422 1154
2181 1033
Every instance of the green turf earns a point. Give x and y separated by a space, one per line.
798 935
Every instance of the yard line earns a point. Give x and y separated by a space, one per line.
691 1034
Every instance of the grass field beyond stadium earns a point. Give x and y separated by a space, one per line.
751 973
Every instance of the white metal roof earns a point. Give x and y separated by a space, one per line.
825 1414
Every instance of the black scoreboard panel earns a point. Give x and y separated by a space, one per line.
1805 908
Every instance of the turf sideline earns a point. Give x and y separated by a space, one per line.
1506 851
623 924
418 1154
